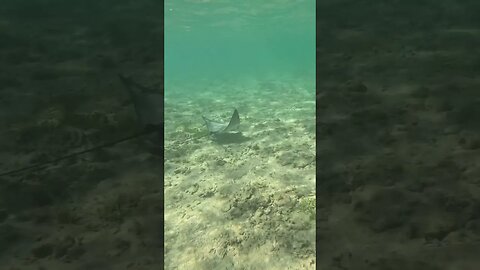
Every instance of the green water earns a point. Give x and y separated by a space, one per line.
246 202
235 39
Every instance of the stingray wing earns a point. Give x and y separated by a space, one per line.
148 105
217 127
149 109
213 126
234 122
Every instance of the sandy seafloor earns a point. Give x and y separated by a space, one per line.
101 210
398 135
59 92
249 204
398 153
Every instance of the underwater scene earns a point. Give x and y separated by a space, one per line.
239 134
80 185
398 143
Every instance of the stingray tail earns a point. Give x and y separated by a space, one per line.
74 154
128 83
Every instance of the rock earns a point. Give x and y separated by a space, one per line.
385 208
42 251
75 252
63 246
192 189
437 228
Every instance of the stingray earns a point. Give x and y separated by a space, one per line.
216 128
148 104
225 132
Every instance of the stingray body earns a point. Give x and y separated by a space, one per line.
216 128
148 103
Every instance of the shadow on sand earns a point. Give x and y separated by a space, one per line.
230 138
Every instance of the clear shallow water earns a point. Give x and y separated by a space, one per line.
247 205
212 40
